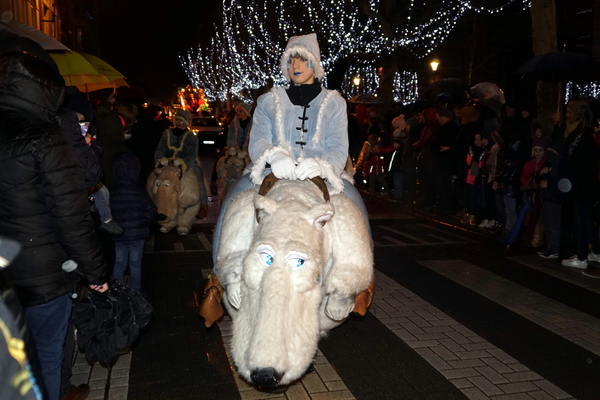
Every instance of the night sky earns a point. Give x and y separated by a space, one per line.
143 39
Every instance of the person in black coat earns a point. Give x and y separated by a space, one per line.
134 211
146 133
445 160
582 156
44 207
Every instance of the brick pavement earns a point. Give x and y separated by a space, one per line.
464 357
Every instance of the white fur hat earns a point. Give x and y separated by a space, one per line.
307 47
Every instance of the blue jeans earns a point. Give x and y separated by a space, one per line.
101 199
129 251
47 324
244 183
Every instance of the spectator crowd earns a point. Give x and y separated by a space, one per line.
499 167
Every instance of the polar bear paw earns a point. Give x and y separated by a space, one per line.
234 294
338 308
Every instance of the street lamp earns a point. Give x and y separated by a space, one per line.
435 63
356 80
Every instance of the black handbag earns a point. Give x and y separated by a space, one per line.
110 321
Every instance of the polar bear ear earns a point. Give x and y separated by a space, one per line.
265 204
320 214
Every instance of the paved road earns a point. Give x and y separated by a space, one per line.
454 317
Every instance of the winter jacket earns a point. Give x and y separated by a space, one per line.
238 136
375 165
395 164
491 161
509 176
558 171
530 169
110 137
322 125
475 165
131 206
145 136
177 144
582 161
446 160
42 188
429 132
92 170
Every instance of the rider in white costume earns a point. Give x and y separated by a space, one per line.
299 131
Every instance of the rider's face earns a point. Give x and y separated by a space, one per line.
180 123
299 71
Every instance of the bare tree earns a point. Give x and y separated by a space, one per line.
543 32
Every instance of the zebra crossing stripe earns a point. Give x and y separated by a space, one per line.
204 240
406 235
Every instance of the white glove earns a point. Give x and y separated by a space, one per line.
234 294
309 168
338 308
282 165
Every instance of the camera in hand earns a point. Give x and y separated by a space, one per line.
84 127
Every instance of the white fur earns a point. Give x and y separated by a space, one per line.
282 309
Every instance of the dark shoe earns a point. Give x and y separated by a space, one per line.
80 392
112 228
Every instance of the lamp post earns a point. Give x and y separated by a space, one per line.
435 63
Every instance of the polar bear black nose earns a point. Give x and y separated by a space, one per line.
265 377
161 217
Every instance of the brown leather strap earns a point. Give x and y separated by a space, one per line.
270 180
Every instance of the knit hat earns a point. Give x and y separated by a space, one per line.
305 46
185 115
446 112
247 107
399 122
468 114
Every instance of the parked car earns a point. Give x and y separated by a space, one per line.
210 132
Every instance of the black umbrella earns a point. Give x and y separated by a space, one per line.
560 66
110 321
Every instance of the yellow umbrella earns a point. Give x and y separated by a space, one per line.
86 71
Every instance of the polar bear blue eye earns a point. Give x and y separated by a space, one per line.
266 258
295 259
266 254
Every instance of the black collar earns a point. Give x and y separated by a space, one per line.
303 94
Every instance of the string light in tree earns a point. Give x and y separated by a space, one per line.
245 51
590 90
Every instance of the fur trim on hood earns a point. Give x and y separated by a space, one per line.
307 47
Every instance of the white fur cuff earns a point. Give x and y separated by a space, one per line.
258 169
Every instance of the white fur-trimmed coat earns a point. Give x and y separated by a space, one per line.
275 127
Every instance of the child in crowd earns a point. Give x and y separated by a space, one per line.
374 169
395 168
134 210
475 180
493 162
530 184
